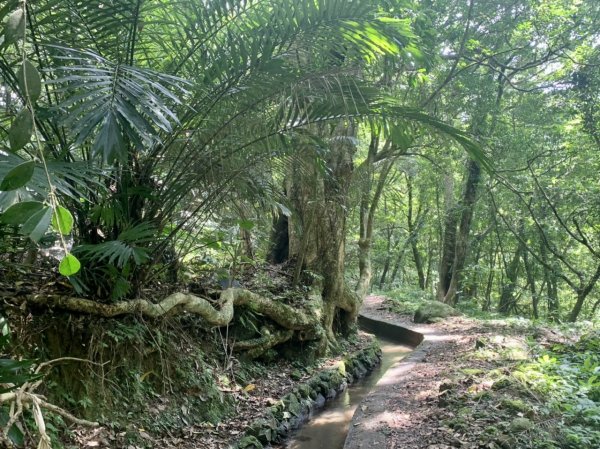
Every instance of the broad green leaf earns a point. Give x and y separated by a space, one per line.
19 213
18 176
69 266
246 225
15 27
38 224
30 82
62 220
21 130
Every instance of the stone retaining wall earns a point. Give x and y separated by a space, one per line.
296 407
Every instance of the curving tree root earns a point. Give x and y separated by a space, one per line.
290 318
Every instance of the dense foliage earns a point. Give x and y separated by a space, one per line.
264 164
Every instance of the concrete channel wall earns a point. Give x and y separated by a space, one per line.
366 426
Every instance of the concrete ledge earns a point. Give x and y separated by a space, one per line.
402 335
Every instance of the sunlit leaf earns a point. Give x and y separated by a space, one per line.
69 265
62 220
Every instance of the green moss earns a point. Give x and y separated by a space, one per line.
516 405
430 310
519 425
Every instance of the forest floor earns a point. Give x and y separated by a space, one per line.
471 387
251 400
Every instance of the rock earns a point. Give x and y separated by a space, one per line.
331 393
429 311
263 430
320 401
519 425
359 370
292 404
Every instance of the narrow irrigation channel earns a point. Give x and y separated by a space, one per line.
329 426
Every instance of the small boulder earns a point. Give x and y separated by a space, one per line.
519 425
434 311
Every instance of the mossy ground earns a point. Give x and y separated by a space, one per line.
516 384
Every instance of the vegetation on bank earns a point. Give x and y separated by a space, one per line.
524 384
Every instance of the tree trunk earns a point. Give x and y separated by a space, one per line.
507 301
582 294
462 236
398 263
317 229
535 297
413 234
490 282
448 238
368 206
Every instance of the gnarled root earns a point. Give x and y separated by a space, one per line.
284 315
255 347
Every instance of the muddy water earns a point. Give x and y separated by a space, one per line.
327 429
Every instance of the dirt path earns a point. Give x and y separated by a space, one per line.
406 414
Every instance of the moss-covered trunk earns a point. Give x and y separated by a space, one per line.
318 190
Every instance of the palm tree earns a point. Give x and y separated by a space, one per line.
153 108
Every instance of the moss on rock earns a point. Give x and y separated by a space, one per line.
432 311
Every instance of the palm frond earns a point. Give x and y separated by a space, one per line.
125 249
114 102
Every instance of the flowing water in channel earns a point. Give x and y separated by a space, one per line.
328 428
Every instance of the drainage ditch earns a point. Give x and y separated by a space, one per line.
318 412
329 426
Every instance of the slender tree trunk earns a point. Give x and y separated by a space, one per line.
462 237
582 294
370 197
413 234
448 238
429 262
507 298
535 297
398 263
490 280
388 253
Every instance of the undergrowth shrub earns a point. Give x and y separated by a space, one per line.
567 377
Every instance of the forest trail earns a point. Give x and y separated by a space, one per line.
412 413
407 414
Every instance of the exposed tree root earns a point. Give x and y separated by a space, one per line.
284 315
257 346
307 322
25 396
